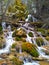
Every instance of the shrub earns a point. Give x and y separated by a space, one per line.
30 48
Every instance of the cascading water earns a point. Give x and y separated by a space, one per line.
28 39
29 63
3 25
41 53
29 18
8 37
20 50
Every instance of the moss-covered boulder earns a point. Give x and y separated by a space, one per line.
47 38
16 61
39 41
30 48
13 45
43 31
30 34
20 33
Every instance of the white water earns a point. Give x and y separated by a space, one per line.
41 53
9 42
33 63
8 38
33 18
28 39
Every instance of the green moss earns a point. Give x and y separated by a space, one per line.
30 48
47 38
16 61
13 45
30 34
39 41
43 31
14 34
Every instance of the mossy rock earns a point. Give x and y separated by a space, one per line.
47 38
39 41
43 31
13 45
16 61
30 34
19 33
30 48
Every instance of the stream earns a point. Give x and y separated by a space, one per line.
8 38
10 41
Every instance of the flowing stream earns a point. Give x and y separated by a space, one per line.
9 42
41 53
8 38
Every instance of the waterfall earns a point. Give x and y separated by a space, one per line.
8 37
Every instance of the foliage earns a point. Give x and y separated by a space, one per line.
39 41
19 9
30 48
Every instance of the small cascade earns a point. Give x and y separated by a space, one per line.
3 25
9 28
8 38
31 18
20 50
34 38
33 63
28 39
39 49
